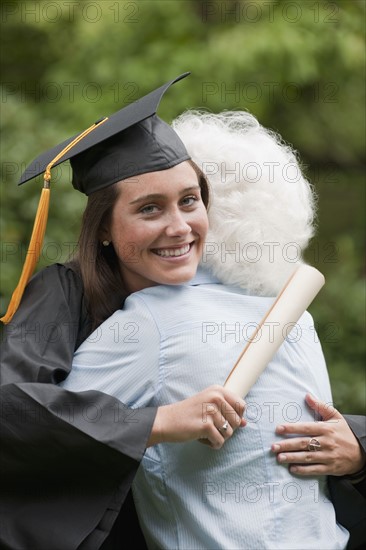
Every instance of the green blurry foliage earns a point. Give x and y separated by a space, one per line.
339 314
299 67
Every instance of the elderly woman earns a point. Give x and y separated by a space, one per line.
189 335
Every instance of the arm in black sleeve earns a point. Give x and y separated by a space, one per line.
64 455
349 499
357 423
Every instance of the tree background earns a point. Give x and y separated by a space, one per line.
298 66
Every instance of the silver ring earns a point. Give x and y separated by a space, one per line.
314 445
224 426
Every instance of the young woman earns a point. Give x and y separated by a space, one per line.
68 459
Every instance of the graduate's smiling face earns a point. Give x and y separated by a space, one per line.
158 227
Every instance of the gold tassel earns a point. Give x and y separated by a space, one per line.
39 228
33 253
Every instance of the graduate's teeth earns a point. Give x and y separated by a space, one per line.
172 251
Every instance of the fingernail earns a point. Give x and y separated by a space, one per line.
281 458
280 429
276 448
294 469
313 398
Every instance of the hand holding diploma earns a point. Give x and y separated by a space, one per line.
292 301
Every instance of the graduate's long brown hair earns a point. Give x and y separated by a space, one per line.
97 264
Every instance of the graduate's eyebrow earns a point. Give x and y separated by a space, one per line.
157 196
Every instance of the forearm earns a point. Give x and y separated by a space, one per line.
200 417
73 423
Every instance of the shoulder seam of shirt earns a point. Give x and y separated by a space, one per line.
150 312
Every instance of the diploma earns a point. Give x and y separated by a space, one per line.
292 301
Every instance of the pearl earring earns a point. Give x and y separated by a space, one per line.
106 243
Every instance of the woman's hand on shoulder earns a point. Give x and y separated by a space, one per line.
210 416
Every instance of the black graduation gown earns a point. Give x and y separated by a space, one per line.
67 459
350 500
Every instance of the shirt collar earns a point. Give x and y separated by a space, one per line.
203 277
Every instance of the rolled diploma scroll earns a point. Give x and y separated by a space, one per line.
292 301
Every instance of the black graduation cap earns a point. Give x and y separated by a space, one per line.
132 141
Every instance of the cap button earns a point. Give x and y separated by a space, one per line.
100 120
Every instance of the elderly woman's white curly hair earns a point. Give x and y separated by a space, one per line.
262 207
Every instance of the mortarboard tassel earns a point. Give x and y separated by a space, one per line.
39 229
33 253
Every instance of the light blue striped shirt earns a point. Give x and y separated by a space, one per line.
170 342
